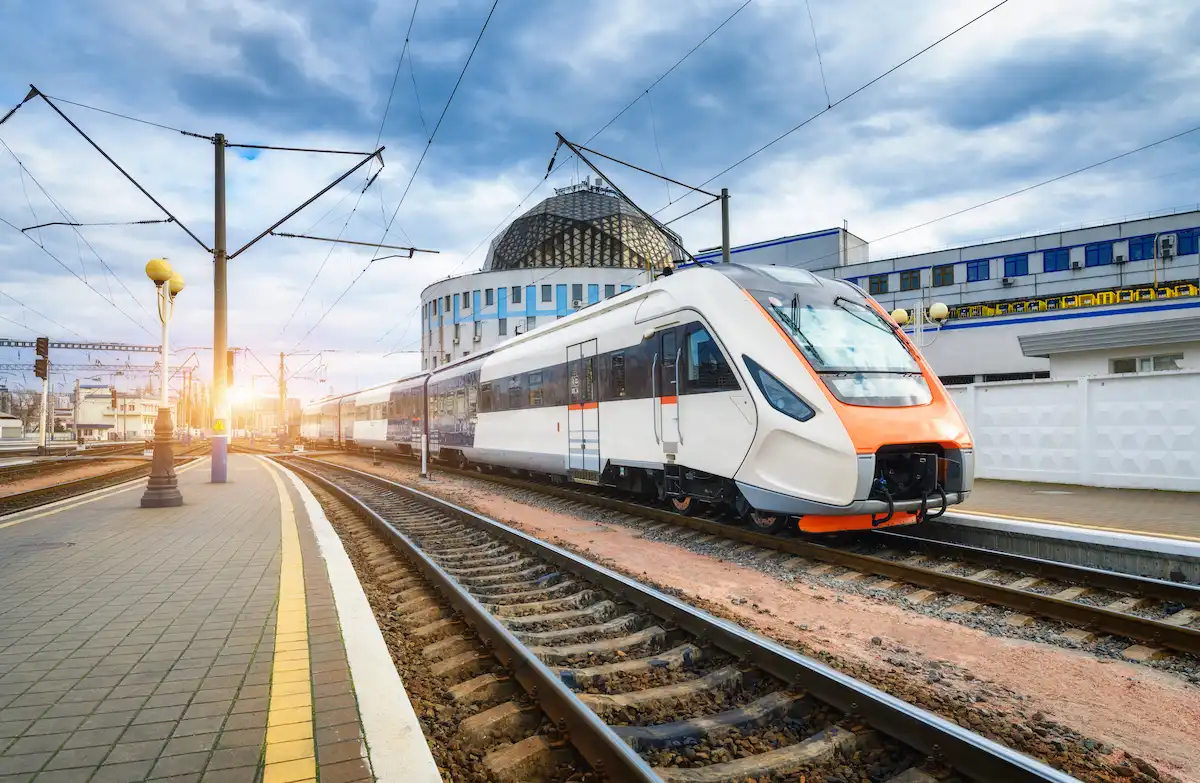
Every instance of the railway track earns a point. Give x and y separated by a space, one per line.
643 686
23 501
1155 615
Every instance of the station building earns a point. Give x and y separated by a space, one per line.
579 246
1109 299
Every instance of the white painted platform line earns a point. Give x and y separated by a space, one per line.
396 748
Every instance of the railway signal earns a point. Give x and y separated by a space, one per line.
41 368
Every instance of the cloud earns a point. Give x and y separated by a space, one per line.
1031 91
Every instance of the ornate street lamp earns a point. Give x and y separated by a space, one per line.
163 487
938 314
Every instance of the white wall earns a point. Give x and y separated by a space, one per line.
1087 363
1135 431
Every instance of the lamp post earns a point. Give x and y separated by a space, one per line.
162 489
938 313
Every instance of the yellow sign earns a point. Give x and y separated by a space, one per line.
219 425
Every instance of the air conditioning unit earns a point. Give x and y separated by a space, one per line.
1166 246
577 303
478 337
456 341
1119 260
518 329
1006 281
1075 265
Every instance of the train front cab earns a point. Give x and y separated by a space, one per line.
855 430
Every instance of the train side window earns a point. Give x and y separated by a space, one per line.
485 397
514 392
618 373
707 370
536 395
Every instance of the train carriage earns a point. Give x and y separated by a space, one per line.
766 391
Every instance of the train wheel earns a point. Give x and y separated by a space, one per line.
765 522
684 505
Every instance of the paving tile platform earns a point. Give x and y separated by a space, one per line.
199 643
1134 511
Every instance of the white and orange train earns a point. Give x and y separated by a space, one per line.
778 395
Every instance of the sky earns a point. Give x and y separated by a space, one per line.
1031 91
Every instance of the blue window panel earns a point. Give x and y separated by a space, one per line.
1056 260
456 296
593 293
560 292
1098 255
1016 266
502 302
1189 240
475 305
1141 248
530 300
625 288
978 270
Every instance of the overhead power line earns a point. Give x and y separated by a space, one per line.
416 169
40 315
132 119
590 139
845 98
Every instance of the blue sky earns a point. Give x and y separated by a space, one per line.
1033 90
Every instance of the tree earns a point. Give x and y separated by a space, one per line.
27 406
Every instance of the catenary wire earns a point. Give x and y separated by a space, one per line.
541 182
412 177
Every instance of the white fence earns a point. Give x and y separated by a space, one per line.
1138 431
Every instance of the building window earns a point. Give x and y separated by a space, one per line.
1056 260
447 307
577 292
943 275
978 270
910 279
456 332
547 293
1015 266
478 330
516 294
503 325
1141 248
530 322
489 297
879 284
1162 363
1188 241
610 291
1098 255
466 300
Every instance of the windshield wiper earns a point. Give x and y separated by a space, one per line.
837 300
791 325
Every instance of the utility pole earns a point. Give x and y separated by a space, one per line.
724 225
282 404
41 368
220 396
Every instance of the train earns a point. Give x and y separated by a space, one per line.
784 399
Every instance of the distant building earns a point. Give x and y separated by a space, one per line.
133 417
575 248
10 427
1110 299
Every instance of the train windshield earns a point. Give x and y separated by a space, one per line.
858 354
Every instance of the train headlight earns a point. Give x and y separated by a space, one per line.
778 395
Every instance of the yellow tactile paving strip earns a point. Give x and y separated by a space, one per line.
290 749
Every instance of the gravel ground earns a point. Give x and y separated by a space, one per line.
996 705
59 475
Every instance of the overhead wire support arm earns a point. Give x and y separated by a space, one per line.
411 250
577 147
32 93
370 156
300 149
85 225
653 220
117 166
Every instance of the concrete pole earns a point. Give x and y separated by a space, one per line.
220 392
282 404
724 225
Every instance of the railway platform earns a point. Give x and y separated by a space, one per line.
224 640
1144 512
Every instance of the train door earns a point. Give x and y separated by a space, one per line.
667 397
583 413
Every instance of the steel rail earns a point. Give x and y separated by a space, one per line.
1096 618
584 729
969 753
